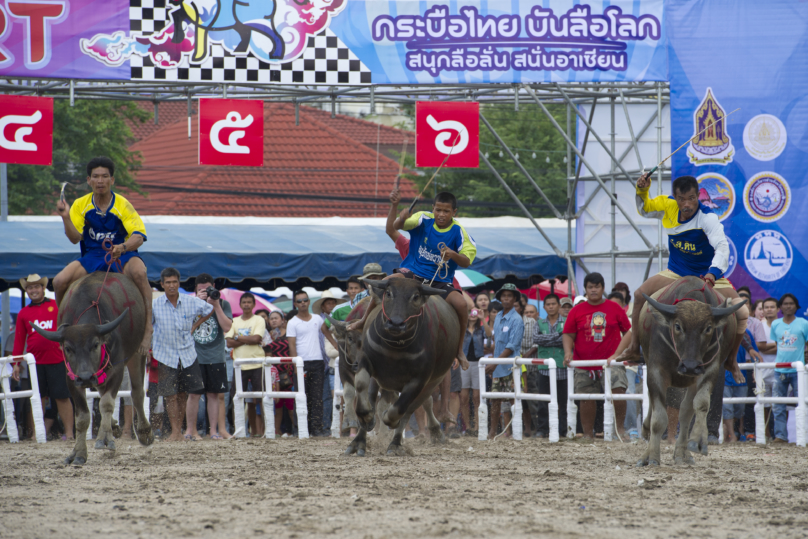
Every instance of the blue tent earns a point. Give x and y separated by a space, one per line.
277 249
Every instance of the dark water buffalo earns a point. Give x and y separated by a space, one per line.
123 321
409 342
686 332
350 346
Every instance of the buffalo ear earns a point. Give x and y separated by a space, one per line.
55 336
429 291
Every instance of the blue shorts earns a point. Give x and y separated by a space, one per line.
94 261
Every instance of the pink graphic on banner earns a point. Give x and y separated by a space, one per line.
40 38
116 49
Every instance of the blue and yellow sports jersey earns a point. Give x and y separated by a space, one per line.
425 238
697 246
118 224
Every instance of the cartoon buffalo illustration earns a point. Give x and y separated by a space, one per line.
238 25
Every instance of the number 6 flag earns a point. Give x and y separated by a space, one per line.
231 132
26 130
447 132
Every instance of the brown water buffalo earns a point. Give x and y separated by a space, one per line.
686 332
83 338
409 342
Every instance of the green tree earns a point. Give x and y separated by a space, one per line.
525 132
86 130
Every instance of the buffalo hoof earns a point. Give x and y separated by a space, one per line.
105 444
75 460
689 461
437 436
642 462
396 451
653 463
360 452
697 447
79 461
145 437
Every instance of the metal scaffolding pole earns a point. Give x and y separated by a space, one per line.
659 171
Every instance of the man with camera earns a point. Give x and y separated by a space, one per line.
209 334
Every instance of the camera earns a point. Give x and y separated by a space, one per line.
213 293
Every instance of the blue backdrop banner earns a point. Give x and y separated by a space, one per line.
506 41
724 55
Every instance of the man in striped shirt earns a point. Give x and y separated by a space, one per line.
173 347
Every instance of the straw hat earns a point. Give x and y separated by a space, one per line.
372 269
317 308
34 278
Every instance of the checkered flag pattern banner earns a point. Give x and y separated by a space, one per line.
326 59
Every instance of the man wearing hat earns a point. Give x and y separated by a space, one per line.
565 307
508 332
50 363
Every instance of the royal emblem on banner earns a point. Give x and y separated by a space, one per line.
768 255
716 192
711 144
767 197
764 137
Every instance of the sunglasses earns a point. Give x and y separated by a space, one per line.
301 301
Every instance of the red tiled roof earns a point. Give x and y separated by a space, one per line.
364 131
312 159
167 113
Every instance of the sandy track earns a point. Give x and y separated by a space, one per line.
292 488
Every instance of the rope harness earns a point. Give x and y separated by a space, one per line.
401 343
714 340
104 362
442 265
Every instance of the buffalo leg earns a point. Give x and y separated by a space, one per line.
365 409
408 397
79 454
137 368
681 453
395 448
659 420
701 406
359 443
105 438
349 420
433 424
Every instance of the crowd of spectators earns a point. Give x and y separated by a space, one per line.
196 338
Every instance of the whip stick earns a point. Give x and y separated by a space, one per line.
689 141
415 201
401 162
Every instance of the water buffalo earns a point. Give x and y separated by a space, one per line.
686 332
409 342
97 352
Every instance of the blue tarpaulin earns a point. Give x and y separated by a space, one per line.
286 249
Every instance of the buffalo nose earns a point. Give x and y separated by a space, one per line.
81 380
683 369
391 325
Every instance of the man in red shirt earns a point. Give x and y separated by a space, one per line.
593 331
50 364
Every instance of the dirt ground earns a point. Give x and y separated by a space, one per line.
292 488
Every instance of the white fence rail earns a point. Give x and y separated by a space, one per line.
267 396
127 393
33 394
336 427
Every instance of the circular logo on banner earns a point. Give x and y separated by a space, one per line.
764 137
733 258
767 197
768 255
716 192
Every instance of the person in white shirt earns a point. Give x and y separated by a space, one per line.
768 349
303 334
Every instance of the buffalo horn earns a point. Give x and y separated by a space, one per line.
381 285
719 312
337 323
429 291
55 336
109 326
661 307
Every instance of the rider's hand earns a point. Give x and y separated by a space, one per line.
710 278
16 372
62 208
447 253
455 364
395 196
644 181
117 251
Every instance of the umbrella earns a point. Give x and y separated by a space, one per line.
543 288
233 296
466 278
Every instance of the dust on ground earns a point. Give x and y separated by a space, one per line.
306 488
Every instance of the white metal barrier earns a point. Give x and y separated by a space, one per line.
607 396
336 427
266 396
517 395
801 401
92 395
33 394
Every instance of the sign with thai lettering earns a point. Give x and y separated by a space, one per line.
26 130
231 132
447 134
437 41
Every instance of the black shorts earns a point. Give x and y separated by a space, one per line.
256 376
179 380
214 378
52 381
445 288
457 383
